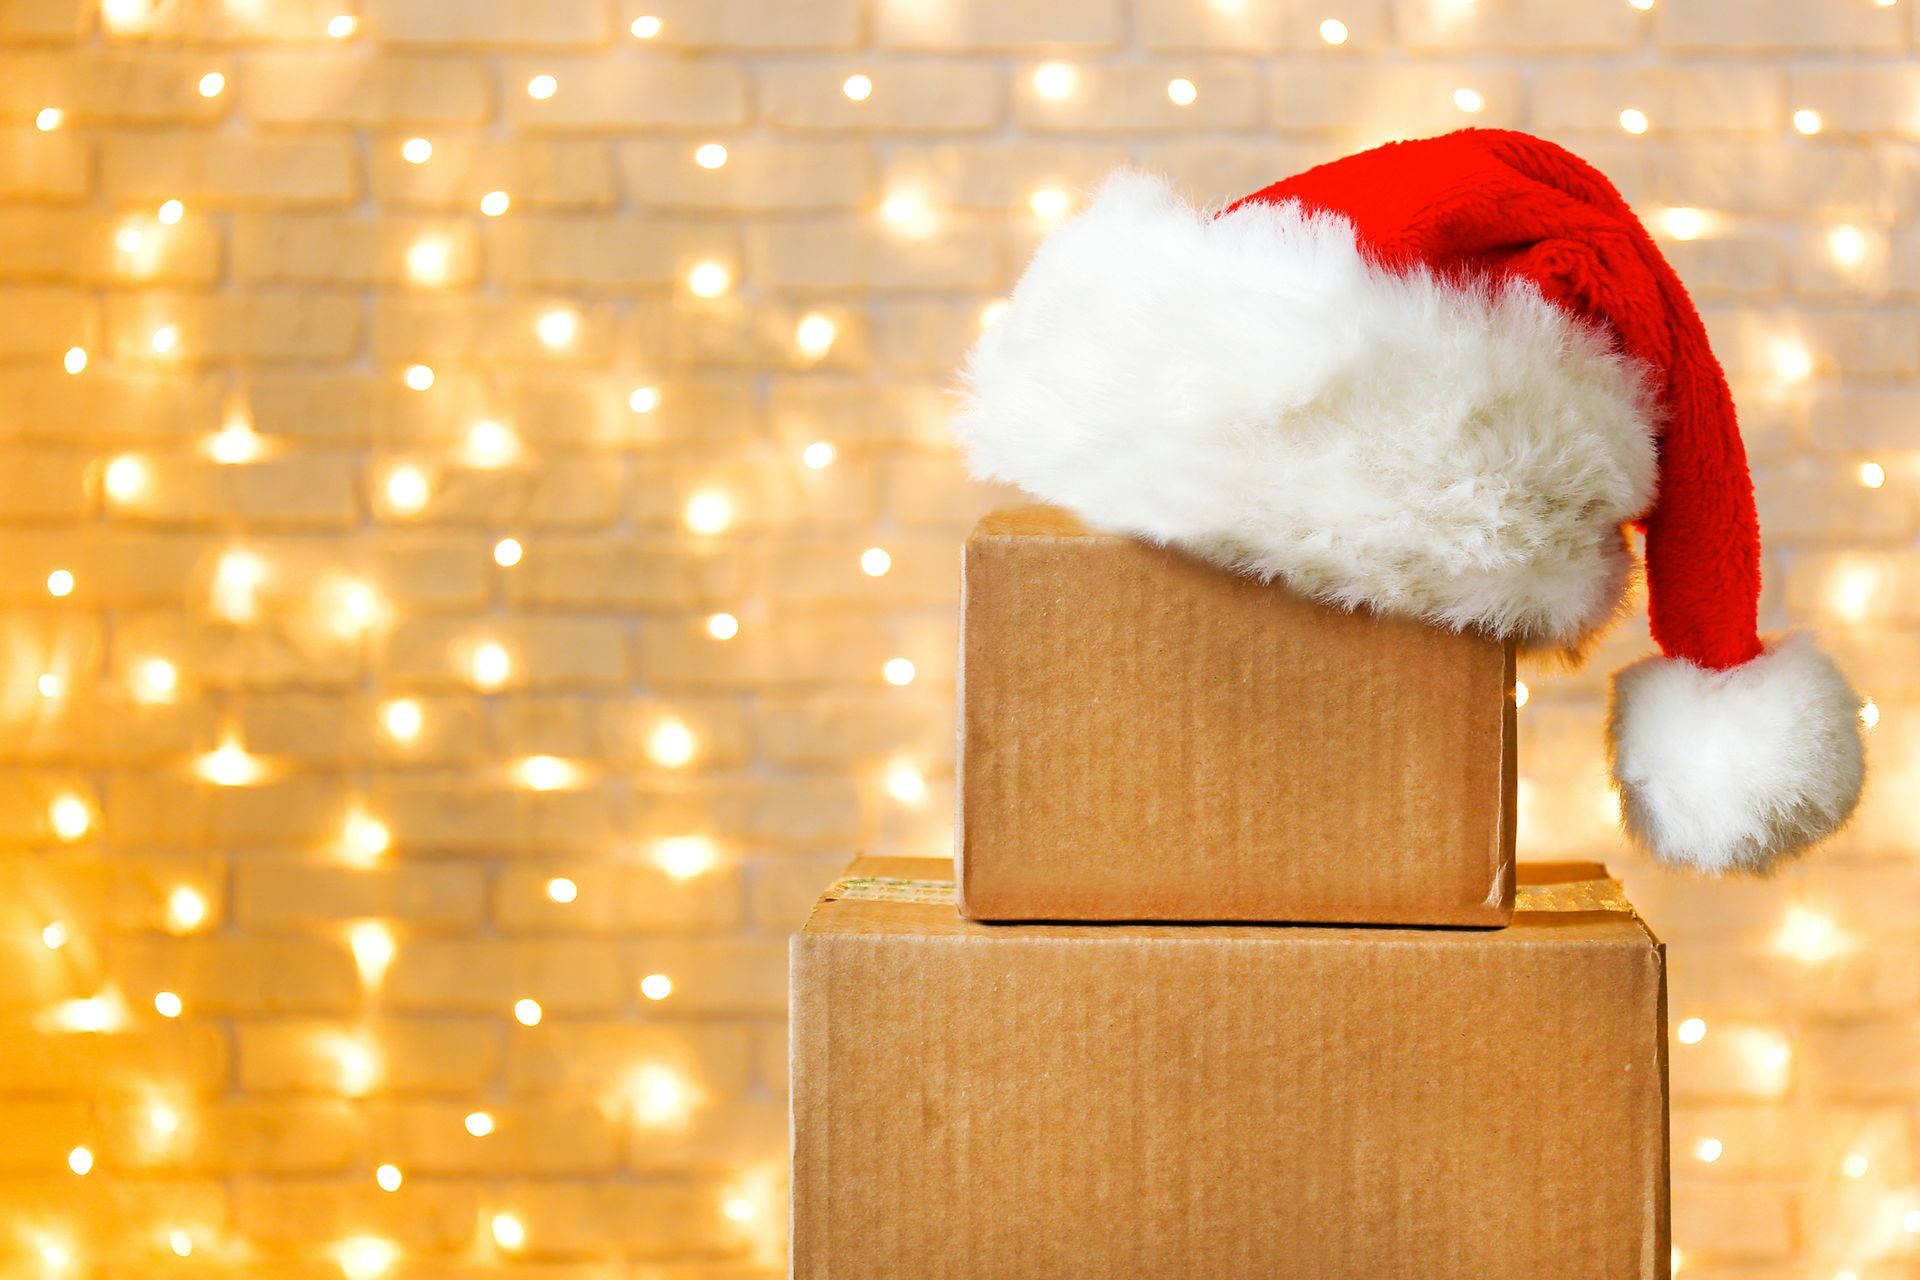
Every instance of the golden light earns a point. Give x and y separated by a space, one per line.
122 15
1333 31
903 207
818 455
562 890
167 1004
359 1065
814 335
542 87
70 816
187 909
180 1242
90 1015
1468 100
508 552
48 119
644 399
1809 936
1049 202
373 947
56 1256
54 936
548 773
527 1012
419 377
1854 1166
558 328
428 259
1685 223
165 339
905 783
1848 245
659 1096
170 212
898 671
388 1177
684 857
230 766
645 27
1708 1150
738 1209
1691 1031
495 203
1872 475
1853 591
1182 92
709 512
80 1160
75 361
991 313
1520 694
367 837
416 151
1792 362
671 744
1869 714
342 25
1634 120
211 84
858 88
128 239
1642 5
656 986
355 607
723 626
491 665
710 155
407 489
366 1257
60 583
874 561
1054 80
491 444
509 1232
402 719
709 279
50 685
479 1123
236 584
1807 122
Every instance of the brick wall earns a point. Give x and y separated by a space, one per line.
312 779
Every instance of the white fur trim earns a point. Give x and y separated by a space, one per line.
1252 389
1726 770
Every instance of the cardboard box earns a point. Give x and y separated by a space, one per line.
1146 737
1227 1102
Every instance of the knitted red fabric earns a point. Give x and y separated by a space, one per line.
1488 202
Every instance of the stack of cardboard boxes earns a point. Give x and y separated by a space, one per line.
1242 980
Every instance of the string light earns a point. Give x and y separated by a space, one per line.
558 328
723 626
373 948
644 399
51 685
991 313
366 1257
660 1096
1468 100
542 87
1809 936
407 489
402 719
1872 475
234 444
508 552
490 444
163 1119
1853 591
230 766
367 835
1708 1150
187 909
60 583
548 773
48 119
671 744
874 561
122 15
738 1209
80 1160
645 27
1049 202
905 783
710 156
656 986
128 239
1854 1166
1634 120
428 260
1807 122
509 1232
527 1012
1054 80
1869 714
815 334
1642 5
211 84
54 936
416 151
180 1242
562 890
165 339
167 1004
709 279
70 816
479 1123
1691 1031
491 665
419 377
388 1177
1792 361
342 25
709 512
818 455
1848 245
1333 31
903 207
495 203
170 212
898 671
56 1256
1685 223
1181 92
858 88
1520 694
684 857
75 360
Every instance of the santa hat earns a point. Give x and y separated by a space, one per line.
1436 378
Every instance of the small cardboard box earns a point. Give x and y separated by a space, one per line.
1227 1102
1146 737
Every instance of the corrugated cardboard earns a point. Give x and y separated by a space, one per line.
1146 737
1228 1102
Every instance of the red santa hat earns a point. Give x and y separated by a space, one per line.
1437 378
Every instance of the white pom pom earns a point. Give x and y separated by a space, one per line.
1735 770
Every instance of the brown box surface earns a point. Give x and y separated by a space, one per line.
1146 737
1217 1102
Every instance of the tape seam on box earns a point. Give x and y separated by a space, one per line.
1571 895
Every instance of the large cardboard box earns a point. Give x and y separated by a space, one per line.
1146 737
1226 1102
